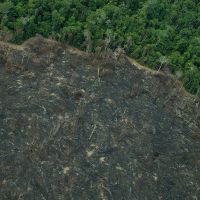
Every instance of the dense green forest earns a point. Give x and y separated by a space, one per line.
158 33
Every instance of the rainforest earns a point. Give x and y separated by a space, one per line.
157 33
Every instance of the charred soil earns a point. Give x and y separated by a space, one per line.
85 126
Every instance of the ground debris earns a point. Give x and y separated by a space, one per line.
75 125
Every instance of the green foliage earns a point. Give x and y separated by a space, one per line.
148 30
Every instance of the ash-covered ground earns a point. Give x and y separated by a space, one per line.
84 126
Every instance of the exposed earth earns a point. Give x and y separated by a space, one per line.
75 125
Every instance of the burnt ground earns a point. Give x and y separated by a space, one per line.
90 126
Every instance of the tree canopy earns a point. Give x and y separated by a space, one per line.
156 32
